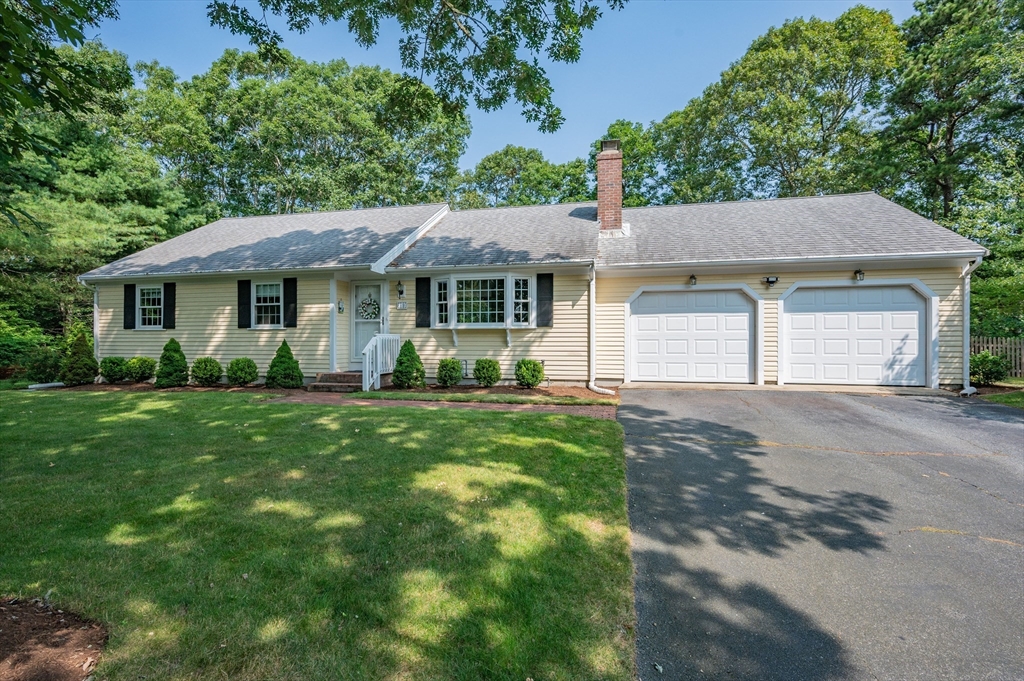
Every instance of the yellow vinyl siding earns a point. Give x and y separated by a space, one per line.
563 347
612 293
206 324
342 327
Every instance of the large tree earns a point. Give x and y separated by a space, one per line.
38 76
480 50
517 176
95 195
790 118
952 95
257 136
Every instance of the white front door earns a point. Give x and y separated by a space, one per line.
367 316
702 336
860 335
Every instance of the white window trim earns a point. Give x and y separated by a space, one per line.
453 295
252 305
138 308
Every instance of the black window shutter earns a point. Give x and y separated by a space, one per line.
245 303
129 306
291 305
169 302
545 300
422 302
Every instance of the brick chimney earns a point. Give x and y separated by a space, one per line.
609 185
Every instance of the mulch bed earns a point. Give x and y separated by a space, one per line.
553 391
997 389
38 642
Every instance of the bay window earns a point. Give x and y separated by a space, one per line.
493 301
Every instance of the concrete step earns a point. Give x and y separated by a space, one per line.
334 387
341 377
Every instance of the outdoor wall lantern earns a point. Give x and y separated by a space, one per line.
341 307
770 281
693 280
859 274
401 290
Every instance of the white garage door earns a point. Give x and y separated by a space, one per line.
867 336
702 336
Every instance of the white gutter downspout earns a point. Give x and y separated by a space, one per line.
592 335
966 276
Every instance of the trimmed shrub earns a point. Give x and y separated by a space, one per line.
987 368
487 372
449 372
139 369
284 371
206 371
242 371
529 373
112 369
172 371
409 372
80 366
43 365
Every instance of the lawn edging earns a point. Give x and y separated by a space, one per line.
496 398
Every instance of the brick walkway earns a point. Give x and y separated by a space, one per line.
598 411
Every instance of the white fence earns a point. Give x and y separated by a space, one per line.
379 357
1011 348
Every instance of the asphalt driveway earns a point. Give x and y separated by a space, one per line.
797 535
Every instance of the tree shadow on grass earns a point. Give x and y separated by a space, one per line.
222 537
695 485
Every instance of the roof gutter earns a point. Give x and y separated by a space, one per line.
495 266
966 276
86 280
933 255
592 336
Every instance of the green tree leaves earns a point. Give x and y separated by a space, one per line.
487 52
259 137
517 176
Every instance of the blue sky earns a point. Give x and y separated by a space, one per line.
639 63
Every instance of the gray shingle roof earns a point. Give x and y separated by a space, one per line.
846 225
295 241
505 236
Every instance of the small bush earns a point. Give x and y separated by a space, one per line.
112 369
139 369
242 371
449 372
487 372
529 373
80 366
206 371
43 365
409 371
987 368
284 371
172 371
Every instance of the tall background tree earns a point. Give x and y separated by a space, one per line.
517 176
256 136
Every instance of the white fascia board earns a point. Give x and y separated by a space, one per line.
380 266
538 265
810 259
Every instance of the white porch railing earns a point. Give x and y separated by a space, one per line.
379 357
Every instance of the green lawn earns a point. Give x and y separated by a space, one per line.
1014 399
480 397
222 536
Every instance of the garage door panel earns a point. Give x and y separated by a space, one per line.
836 346
677 323
835 372
647 324
874 337
692 336
676 347
647 347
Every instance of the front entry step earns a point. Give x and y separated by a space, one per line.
342 382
